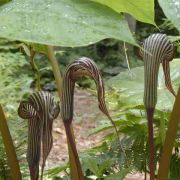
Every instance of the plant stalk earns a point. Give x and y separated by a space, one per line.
75 166
35 69
126 55
169 140
55 68
9 147
150 114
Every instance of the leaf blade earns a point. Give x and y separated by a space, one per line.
62 23
142 10
136 80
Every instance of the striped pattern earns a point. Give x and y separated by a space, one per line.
40 109
156 49
81 67
26 111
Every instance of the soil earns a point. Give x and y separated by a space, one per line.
86 117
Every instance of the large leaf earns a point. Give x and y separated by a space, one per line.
142 10
171 9
61 23
131 86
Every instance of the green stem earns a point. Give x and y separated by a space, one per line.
126 55
150 115
35 69
169 140
9 147
56 71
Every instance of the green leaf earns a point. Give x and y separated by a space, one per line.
101 128
171 9
57 169
176 41
130 85
100 148
91 164
118 176
174 38
142 10
62 23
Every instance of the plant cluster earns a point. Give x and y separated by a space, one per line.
104 160
37 25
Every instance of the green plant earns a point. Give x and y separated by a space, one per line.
106 160
81 67
135 96
14 83
24 20
130 120
152 59
40 109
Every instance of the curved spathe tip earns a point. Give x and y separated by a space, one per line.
168 83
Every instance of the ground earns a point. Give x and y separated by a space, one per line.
86 117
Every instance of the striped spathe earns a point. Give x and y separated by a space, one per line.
157 49
40 109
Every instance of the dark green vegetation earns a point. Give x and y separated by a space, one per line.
81 23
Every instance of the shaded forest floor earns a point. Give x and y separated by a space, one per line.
86 117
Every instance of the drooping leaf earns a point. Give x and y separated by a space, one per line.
131 85
61 23
142 10
171 9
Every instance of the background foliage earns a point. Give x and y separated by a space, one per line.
15 83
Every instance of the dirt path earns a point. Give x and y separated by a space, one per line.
86 116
